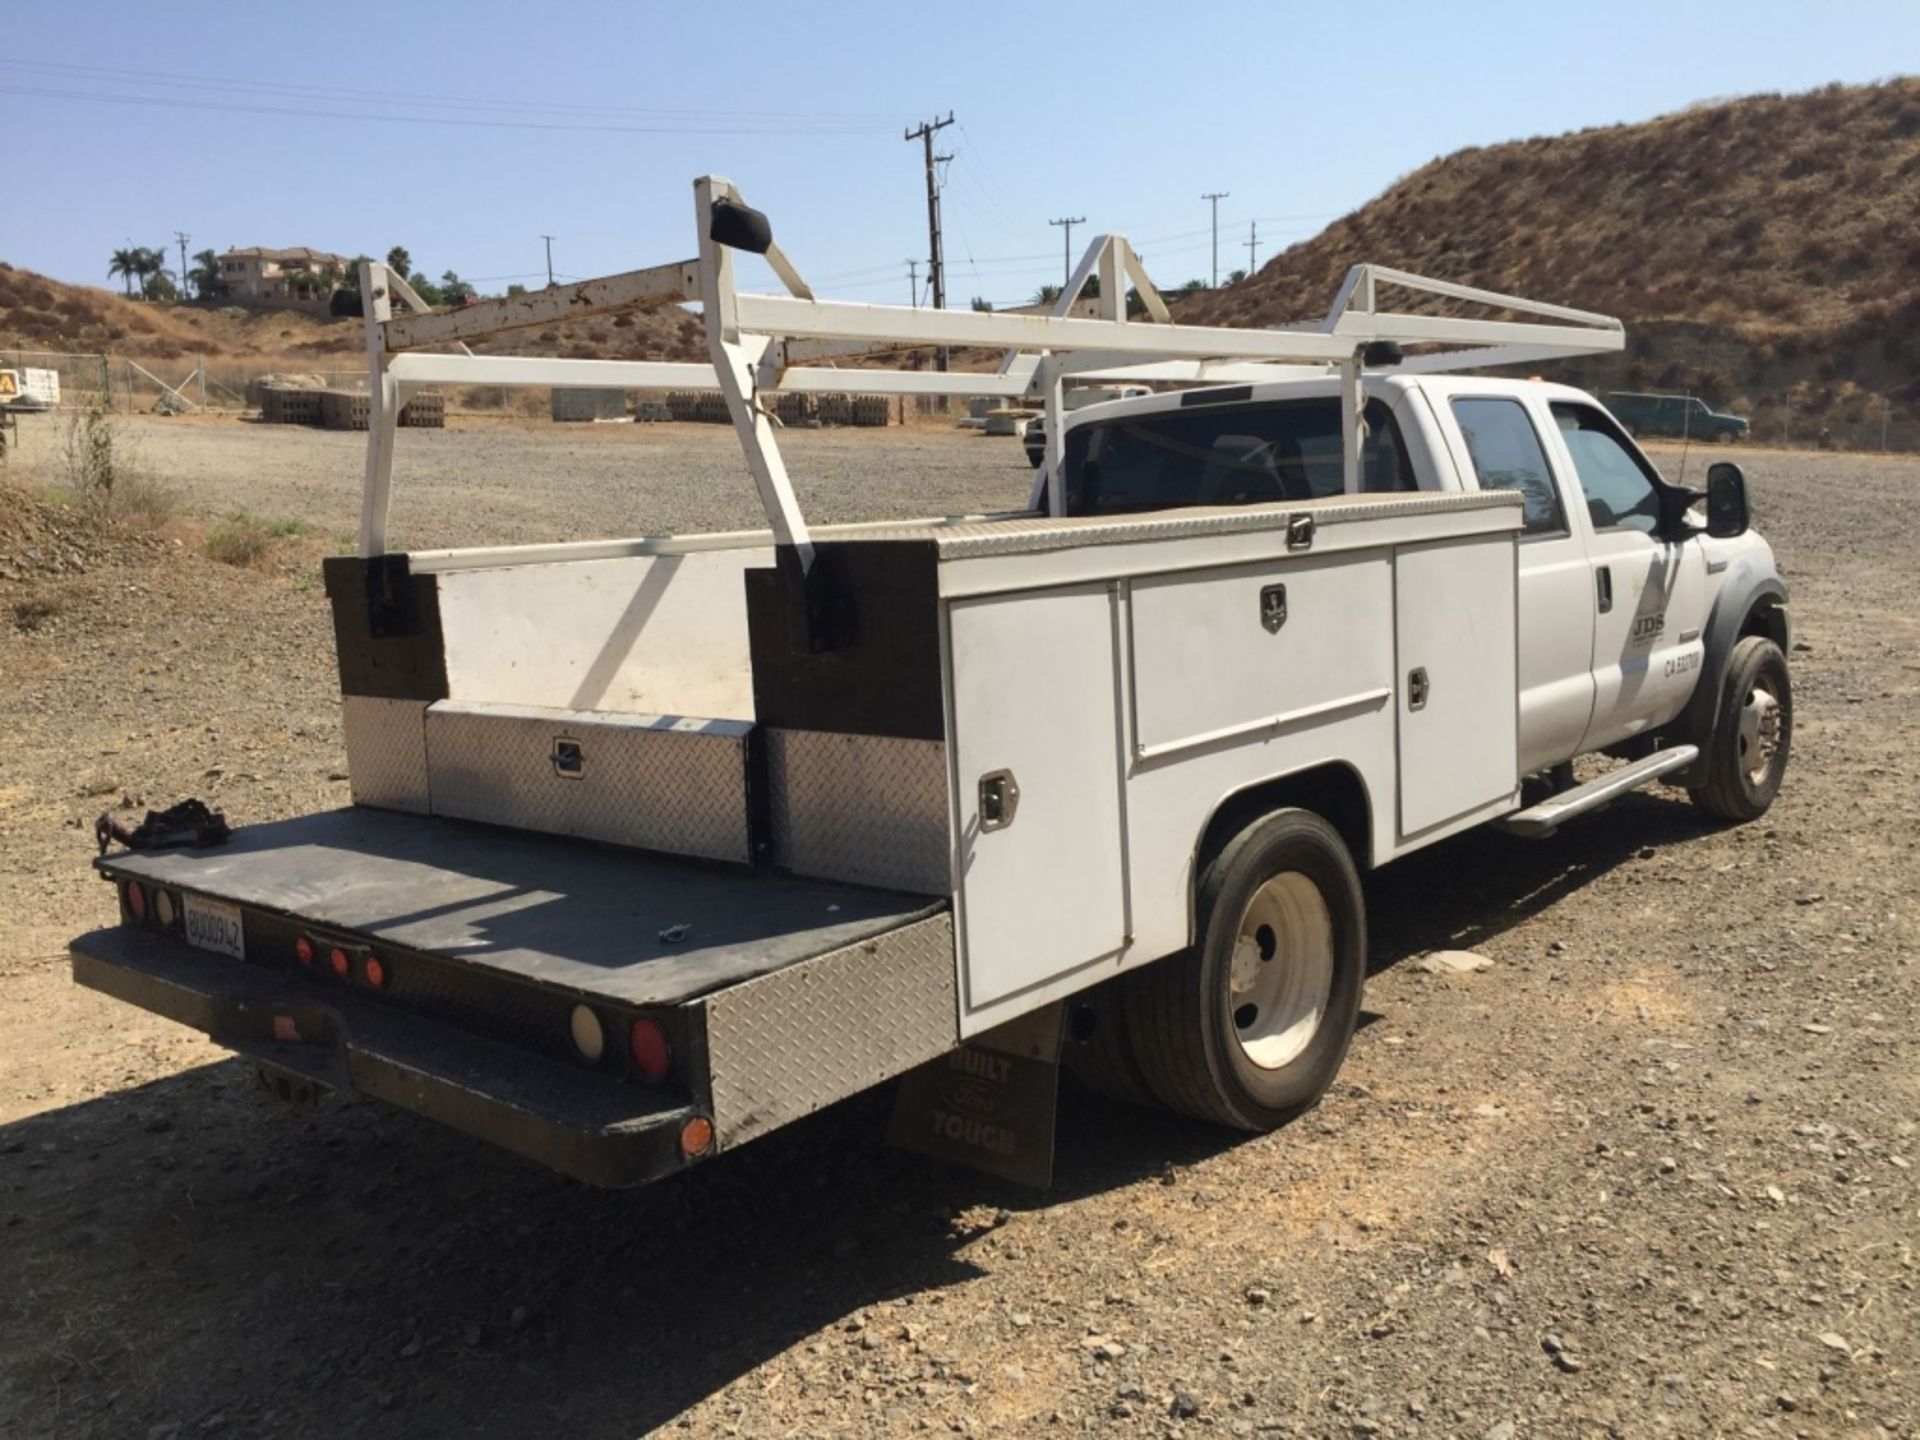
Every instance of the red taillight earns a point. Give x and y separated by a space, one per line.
136 901
649 1050
374 972
303 951
340 962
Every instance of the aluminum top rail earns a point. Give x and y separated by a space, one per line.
761 344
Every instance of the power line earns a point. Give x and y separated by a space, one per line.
183 238
719 126
1253 247
549 240
1215 198
913 282
1066 223
278 88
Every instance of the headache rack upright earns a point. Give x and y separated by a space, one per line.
762 344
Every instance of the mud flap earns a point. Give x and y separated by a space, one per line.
990 1104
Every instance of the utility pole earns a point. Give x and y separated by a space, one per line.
1253 247
1066 246
549 240
936 260
183 238
913 282
1215 198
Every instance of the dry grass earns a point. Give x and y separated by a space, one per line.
37 313
1752 247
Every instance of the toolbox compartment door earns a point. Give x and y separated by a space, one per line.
1034 692
1457 695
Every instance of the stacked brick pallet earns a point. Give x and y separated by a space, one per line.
425 411
797 409
286 406
344 409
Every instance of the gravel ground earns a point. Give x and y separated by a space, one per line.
1649 1173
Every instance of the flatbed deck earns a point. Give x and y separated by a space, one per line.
567 913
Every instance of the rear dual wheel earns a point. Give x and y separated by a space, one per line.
1248 1028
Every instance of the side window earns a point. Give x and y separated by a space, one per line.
1622 494
1507 456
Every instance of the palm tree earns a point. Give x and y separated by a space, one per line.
399 260
148 263
125 265
205 274
1046 295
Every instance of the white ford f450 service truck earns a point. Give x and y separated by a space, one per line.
658 844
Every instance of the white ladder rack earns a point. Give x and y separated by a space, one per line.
760 344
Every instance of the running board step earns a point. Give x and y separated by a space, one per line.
1539 821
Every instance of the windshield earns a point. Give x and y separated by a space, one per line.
1226 455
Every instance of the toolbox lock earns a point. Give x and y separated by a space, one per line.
1418 688
1299 532
569 760
999 798
1273 607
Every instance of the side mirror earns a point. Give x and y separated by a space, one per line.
1728 515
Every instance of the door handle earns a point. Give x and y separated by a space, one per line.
999 799
1418 688
1603 582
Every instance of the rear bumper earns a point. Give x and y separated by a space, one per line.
592 1126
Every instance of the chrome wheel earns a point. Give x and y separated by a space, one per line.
1760 720
1282 976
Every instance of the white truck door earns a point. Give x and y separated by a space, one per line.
1500 440
1649 594
1038 831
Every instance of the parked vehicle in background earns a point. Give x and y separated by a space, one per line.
1684 417
1035 436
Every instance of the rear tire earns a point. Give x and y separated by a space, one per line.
1752 734
1248 1028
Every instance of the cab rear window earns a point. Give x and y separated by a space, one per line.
1226 455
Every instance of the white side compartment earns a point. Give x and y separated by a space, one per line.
641 634
1251 649
1034 690
1455 620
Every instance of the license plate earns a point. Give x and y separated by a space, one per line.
215 925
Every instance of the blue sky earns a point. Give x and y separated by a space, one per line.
281 124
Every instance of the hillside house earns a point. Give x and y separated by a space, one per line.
260 276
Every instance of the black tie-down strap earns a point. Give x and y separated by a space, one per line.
188 823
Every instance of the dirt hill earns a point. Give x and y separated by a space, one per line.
1758 250
41 314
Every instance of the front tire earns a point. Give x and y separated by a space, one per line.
1752 734
1248 1028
